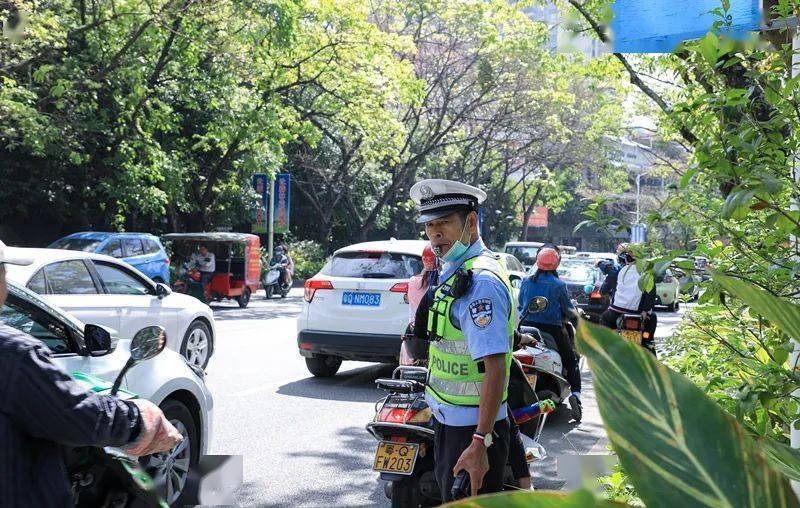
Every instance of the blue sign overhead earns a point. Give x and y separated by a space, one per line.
658 26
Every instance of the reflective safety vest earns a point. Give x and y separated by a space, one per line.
453 376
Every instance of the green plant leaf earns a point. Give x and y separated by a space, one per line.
539 499
782 313
708 48
782 457
678 446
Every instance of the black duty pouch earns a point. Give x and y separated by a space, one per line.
462 283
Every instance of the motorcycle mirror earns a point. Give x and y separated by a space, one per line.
148 343
537 304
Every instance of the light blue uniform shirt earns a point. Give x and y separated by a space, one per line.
490 339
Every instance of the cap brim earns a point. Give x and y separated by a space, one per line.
437 214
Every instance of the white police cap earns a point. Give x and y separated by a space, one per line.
437 198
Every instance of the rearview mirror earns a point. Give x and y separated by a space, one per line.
98 340
537 304
147 343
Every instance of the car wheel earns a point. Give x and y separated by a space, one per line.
170 470
323 365
244 298
198 344
672 307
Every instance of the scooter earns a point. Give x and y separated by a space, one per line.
541 362
273 283
403 426
631 327
107 477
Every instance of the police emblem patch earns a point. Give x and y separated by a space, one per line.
427 192
481 312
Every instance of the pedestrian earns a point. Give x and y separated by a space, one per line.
470 325
413 350
42 410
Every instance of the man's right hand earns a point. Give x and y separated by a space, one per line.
157 433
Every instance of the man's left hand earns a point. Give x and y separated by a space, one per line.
475 461
644 315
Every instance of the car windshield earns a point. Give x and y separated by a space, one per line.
526 254
27 295
373 265
575 271
82 244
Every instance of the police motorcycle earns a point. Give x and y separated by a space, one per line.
541 362
403 426
107 477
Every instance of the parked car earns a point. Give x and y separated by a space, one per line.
106 291
516 272
356 307
142 251
526 251
168 380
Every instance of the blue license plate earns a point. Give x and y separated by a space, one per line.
361 299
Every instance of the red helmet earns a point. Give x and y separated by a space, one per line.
548 259
428 258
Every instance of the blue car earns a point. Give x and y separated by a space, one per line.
140 250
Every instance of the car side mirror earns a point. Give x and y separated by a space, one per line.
162 290
99 341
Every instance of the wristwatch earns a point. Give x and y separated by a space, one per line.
485 438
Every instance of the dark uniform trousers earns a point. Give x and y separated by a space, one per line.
451 441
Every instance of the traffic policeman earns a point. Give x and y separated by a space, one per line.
470 325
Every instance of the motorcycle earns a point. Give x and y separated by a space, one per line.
631 327
273 283
403 426
107 477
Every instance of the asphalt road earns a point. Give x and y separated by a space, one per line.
303 438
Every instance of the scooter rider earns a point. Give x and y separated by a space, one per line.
628 298
470 324
281 262
43 408
545 282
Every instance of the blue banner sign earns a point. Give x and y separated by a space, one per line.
282 202
658 26
261 186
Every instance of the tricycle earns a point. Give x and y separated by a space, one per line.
232 272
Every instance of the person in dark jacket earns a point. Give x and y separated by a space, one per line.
545 282
42 409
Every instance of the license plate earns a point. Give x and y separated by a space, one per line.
398 458
632 335
361 299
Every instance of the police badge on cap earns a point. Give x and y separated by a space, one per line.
437 198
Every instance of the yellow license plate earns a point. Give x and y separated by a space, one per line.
398 458
632 335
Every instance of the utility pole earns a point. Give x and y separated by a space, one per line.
794 434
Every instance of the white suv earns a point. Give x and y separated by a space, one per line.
105 291
167 380
356 307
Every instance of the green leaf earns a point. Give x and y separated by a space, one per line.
646 281
782 313
540 499
678 446
687 177
782 457
708 47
